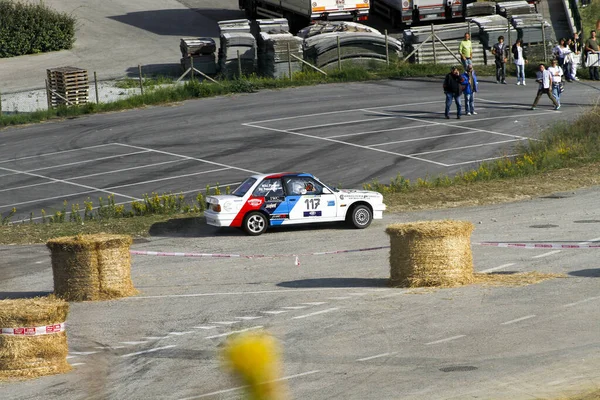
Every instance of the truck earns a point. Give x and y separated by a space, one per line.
300 13
404 13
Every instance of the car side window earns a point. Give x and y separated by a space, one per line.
299 185
269 188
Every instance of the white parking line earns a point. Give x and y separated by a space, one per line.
422 138
377 356
181 333
77 364
339 298
345 143
482 160
445 340
485 271
248 318
581 301
225 322
294 307
88 161
316 313
518 320
357 121
154 337
379 131
55 153
188 157
137 353
344 111
204 327
82 353
133 343
465 147
285 378
547 254
233 332
93 189
169 178
316 303
275 312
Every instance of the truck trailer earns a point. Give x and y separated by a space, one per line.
404 13
300 13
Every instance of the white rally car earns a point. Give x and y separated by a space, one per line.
291 198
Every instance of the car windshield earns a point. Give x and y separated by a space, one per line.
241 190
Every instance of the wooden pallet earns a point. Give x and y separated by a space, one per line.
68 86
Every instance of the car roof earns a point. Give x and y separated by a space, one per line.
280 175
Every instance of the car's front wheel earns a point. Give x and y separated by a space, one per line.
255 223
361 217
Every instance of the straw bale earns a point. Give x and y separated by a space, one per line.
431 253
32 356
91 267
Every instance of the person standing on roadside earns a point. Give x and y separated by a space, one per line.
452 89
575 55
591 47
520 58
465 49
500 52
557 73
469 81
544 78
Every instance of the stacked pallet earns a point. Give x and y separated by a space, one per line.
451 35
509 8
481 8
200 52
358 48
273 58
237 51
67 86
493 26
529 27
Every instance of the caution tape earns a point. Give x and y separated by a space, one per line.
541 245
34 331
217 255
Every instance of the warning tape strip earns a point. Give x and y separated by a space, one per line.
211 255
34 331
541 245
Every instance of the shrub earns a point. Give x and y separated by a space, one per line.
33 28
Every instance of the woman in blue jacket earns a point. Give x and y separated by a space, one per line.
470 87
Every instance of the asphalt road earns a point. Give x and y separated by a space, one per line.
345 334
346 134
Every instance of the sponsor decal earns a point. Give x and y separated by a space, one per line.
271 206
312 213
255 202
280 216
275 198
341 197
330 203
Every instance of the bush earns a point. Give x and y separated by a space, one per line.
33 28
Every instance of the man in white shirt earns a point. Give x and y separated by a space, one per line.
557 74
544 78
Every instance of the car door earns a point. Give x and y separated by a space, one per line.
309 200
271 192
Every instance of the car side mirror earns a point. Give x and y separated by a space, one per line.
326 190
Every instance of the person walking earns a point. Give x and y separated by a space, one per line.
465 50
568 54
544 78
500 52
557 73
470 84
593 56
520 58
452 89
575 55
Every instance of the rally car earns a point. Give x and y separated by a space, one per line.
291 198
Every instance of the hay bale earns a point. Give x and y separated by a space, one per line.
91 267
32 340
431 253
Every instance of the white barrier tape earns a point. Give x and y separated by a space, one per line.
34 331
209 255
541 245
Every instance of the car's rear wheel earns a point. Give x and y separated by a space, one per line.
361 217
255 223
